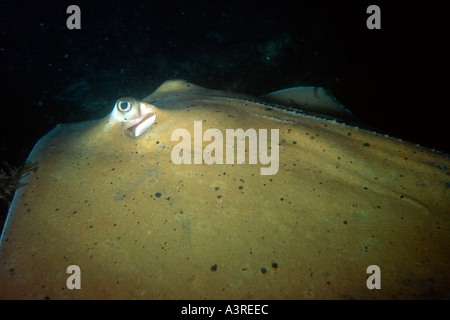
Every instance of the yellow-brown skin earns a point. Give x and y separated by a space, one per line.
140 227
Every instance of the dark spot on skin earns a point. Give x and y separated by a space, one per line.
274 265
219 196
263 270
366 145
214 268
345 221
216 188
441 166
294 142
241 187
158 194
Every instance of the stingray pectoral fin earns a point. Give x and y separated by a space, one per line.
310 99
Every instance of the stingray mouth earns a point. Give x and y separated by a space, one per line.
138 126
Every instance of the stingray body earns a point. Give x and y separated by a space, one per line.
107 196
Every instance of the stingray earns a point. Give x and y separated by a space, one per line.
167 198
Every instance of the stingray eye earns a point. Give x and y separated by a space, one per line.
124 106
126 109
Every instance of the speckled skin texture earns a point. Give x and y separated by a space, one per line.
141 227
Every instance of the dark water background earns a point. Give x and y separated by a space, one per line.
390 78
